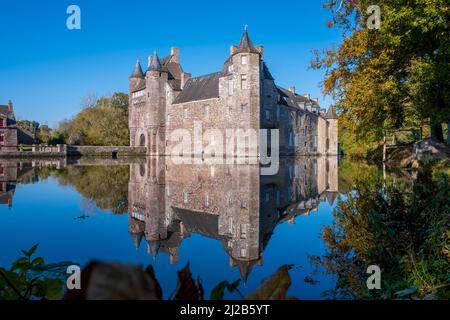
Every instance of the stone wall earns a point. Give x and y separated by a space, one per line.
105 151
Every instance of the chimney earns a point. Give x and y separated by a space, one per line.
232 49
10 106
292 89
261 51
184 78
316 100
306 95
175 53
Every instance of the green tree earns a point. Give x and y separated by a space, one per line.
44 134
391 77
106 123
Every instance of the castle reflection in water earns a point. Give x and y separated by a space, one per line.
230 203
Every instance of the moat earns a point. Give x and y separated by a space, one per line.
227 221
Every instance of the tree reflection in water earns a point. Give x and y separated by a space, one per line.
403 230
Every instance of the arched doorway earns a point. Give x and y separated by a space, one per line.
142 140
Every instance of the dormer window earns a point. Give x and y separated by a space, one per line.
230 68
244 60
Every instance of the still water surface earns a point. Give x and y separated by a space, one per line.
226 221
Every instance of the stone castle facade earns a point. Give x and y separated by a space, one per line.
243 95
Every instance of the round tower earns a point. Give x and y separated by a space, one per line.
155 108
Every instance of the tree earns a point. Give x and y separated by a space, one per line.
106 123
392 77
31 126
44 134
89 100
120 99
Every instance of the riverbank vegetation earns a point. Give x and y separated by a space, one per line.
401 228
101 122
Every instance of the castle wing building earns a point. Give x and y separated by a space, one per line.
242 95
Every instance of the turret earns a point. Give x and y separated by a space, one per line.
240 87
137 78
156 81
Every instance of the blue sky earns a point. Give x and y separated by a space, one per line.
46 69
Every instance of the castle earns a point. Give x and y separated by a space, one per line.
243 95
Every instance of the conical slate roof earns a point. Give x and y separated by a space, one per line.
155 64
137 238
246 44
331 114
245 268
137 72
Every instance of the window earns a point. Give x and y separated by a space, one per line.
138 94
2 138
2 122
185 197
243 231
243 107
230 87
278 113
206 201
243 252
267 114
186 113
230 68
206 111
142 140
267 197
244 85
244 60
230 225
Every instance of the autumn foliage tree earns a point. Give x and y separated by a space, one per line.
103 122
393 77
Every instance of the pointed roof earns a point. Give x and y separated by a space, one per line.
155 64
246 44
153 247
245 268
137 238
331 196
137 72
331 114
